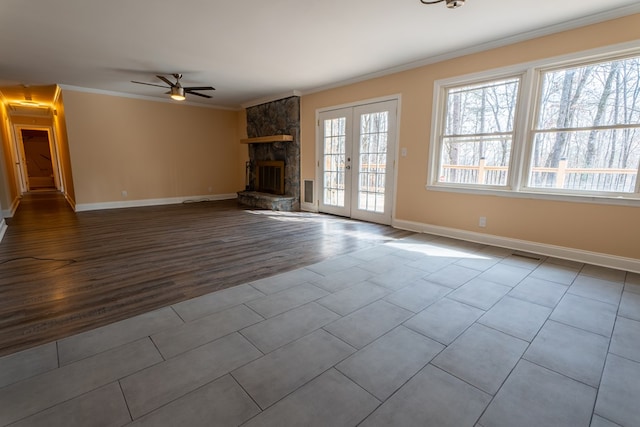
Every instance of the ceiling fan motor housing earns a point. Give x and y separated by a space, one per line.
452 4
177 90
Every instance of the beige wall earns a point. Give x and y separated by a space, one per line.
605 229
152 150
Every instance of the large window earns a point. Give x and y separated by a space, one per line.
572 129
586 136
476 145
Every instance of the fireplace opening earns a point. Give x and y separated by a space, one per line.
270 176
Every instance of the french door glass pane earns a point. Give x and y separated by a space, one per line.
372 161
334 161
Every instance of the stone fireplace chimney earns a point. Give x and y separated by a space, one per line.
273 129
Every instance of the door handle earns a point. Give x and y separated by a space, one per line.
347 167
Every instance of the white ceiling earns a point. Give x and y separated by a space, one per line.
254 49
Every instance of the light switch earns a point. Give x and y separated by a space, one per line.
403 152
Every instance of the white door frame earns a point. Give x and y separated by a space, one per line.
14 153
320 146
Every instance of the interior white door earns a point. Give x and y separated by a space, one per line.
357 159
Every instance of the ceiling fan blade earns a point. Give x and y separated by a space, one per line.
166 80
199 88
197 94
148 84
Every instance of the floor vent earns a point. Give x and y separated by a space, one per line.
308 191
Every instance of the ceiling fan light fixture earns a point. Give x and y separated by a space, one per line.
177 93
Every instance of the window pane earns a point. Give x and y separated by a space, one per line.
482 161
480 109
603 94
374 122
597 160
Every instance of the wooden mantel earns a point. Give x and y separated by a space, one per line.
266 139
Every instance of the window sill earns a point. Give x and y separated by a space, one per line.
591 199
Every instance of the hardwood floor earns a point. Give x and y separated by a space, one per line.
63 272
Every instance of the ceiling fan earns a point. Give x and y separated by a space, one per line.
176 90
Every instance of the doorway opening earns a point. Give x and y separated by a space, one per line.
37 164
38 160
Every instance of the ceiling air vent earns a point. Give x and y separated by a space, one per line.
29 110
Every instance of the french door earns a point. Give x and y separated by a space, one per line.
357 157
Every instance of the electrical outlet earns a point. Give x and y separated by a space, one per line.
482 222
403 152
210 189
124 194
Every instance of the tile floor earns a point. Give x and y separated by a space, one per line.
423 331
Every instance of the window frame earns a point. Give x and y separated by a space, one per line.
441 136
527 109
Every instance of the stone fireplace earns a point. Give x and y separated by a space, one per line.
273 170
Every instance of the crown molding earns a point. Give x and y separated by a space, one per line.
271 98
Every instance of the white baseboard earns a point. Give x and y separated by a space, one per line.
82 207
308 207
8 213
579 255
3 228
